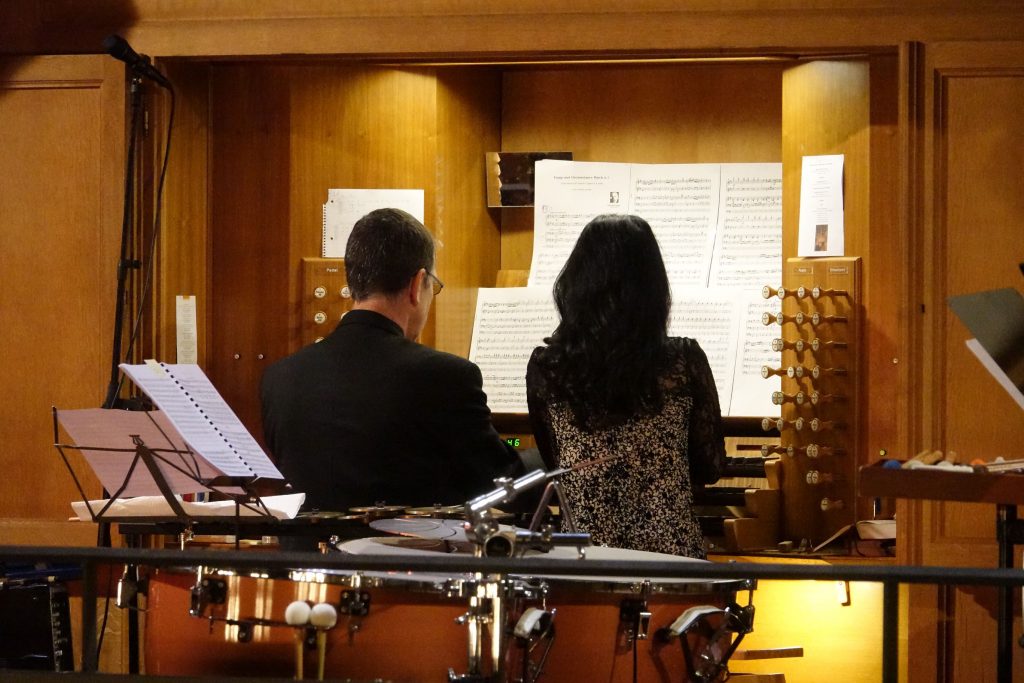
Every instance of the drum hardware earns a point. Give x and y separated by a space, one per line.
129 586
535 626
486 607
482 527
709 661
635 617
206 591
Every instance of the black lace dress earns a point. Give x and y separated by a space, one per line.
642 500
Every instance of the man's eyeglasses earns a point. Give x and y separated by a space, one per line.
437 285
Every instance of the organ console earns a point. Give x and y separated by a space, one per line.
818 344
817 319
817 371
818 292
817 397
768 292
817 424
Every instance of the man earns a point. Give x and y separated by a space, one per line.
368 415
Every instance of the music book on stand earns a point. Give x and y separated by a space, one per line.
192 444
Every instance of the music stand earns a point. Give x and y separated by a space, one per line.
116 442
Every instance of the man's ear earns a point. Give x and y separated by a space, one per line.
415 289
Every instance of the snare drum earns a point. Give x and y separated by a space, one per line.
595 620
408 633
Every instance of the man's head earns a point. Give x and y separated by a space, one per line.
389 262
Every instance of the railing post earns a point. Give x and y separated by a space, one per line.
89 654
890 631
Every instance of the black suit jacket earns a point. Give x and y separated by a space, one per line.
367 416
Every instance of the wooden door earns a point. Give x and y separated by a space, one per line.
970 238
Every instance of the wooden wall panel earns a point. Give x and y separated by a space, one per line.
682 113
62 134
468 126
282 135
457 28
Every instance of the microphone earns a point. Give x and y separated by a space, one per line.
118 48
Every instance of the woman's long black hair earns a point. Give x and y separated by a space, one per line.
613 298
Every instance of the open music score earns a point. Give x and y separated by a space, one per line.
511 321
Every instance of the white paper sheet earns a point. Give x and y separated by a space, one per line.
203 418
345 207
282 507
186 329
821 231
680 202
748 239
568 194
510 322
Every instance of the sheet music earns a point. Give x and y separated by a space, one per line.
751 393
748 238
345 207
568 194
680 202
711 318
203 418
105 428
510 323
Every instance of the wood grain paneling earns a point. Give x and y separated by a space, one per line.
459 28
468 126
971 235
682 113
62 134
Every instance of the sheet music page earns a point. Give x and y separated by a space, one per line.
821 229
203 418
680 202
568 195
712 318
510 323
345 207
748 239
106 428
752 393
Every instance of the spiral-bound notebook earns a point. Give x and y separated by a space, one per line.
205 421
996 319
345 207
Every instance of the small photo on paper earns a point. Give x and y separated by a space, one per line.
821 237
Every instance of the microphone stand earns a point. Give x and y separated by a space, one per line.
124 264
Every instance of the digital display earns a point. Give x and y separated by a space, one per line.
512 441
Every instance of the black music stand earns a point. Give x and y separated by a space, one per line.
174 469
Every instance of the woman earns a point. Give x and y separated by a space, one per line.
611 384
